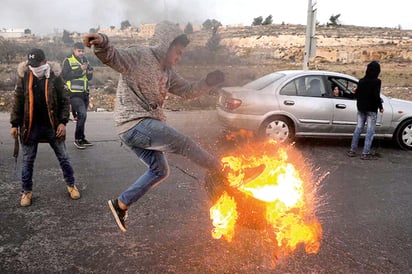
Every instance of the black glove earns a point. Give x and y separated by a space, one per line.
215 78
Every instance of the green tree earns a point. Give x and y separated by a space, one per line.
268 20
125 24
257 21
213 44
334 20
211 24
66 38
189 28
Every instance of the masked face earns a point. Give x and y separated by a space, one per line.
42 70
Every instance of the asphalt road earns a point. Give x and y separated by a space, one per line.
366 211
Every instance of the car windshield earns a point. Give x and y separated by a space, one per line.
264 81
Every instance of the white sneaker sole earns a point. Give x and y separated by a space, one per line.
119 224
79 147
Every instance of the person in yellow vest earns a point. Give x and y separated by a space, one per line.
77 72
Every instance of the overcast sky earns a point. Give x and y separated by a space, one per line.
48 16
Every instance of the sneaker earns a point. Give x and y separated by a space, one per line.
86 143
351 153
249 174
252 173
368 157
73 192
79 144
119 214
26 198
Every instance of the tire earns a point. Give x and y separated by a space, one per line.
278 128
403 135
251 212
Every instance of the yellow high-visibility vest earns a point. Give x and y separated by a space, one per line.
79 84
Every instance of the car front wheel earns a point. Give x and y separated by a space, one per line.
278 128
404 135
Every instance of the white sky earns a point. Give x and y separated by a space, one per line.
47 16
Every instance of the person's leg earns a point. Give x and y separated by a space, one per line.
361 116
29 155
59 148
80 109
139 140
157 172
370 132
165 138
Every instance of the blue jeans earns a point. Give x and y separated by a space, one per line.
368 117
79 106
149 139
29 155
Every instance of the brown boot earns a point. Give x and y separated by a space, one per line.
73 192
26 198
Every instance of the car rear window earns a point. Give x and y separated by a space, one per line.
264 81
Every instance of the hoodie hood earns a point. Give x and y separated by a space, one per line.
372 70
24 67
165 33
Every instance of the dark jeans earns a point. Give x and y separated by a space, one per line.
149 139
368 118
30 152
79 106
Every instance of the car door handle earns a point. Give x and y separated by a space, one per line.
289 103
342 106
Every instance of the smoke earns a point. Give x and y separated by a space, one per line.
45 16
148 11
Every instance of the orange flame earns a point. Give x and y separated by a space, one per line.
285 189
224 216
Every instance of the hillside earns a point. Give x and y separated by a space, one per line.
245 53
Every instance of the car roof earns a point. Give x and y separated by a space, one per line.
292 73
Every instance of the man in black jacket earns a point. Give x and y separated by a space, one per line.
41 110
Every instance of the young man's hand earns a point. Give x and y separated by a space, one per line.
92 39
14 132
61 130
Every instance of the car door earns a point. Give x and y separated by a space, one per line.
344 116
344 106
307 105
345 109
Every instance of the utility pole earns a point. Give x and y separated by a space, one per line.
310 41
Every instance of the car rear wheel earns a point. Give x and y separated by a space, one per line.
404 135
278 128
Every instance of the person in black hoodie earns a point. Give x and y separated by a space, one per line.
368 103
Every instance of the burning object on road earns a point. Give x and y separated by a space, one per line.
281 201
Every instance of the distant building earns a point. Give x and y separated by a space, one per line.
12 33
147 30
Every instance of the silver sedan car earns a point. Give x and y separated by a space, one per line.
302 103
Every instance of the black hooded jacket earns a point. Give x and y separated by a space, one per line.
369 89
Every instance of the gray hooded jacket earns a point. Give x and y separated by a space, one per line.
143 84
